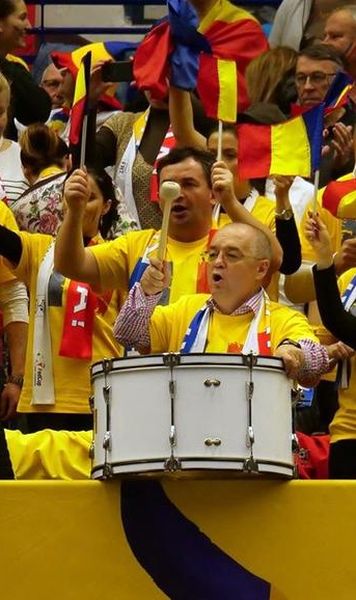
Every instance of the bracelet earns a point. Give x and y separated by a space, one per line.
285 215
288 342
16 380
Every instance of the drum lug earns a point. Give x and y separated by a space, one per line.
107 441
250 440
107 365
171 359
107 471
212 382
91 403
91 451
249 360
212 441
295 443
172 464
251 465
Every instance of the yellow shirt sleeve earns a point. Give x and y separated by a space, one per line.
7 219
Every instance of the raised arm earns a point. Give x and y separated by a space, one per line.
181 116
223 188
72 259
335 318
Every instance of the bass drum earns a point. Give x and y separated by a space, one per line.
201 414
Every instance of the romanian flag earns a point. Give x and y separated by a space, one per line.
289 148
222 101
227 33
337 94
339 198
80 101
101 52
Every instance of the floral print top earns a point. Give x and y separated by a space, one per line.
39 209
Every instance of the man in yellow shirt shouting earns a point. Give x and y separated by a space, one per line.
237 317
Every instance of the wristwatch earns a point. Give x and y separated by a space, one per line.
15 379
288 342
285 215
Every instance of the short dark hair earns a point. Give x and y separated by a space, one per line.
7 7
322 52
105 185
177 155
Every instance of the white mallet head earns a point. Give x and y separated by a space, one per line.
169 191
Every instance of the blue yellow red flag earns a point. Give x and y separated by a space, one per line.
289 148
81 100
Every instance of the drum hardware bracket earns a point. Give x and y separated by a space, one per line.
91 403
249 360
107 365
171 359
91 450
250 465
212 441
212 382
107 471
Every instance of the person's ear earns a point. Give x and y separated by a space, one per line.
106 207
262 268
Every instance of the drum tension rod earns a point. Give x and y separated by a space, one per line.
172 360
107 470
250 464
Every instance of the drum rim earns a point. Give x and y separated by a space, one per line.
123 363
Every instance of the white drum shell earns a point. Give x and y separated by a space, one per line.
140 415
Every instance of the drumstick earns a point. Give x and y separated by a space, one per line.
169 191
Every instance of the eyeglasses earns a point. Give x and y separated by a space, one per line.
316 78
51 83
230 256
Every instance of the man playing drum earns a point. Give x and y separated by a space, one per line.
237 317
121 263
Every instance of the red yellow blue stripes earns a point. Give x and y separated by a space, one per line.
222 100
80 100
339 198
289 148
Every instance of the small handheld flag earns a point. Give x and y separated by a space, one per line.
80 107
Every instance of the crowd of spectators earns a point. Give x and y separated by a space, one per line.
107 217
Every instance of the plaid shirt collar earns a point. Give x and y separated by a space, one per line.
251 305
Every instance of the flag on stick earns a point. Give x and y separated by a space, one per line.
289 148
80 104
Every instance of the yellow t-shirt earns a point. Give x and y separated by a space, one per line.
117 259
7 219
70 376
169 324
343 425
50 454
333 225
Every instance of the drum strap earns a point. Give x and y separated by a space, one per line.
257 341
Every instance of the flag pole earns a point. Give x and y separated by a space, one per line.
83 142
316 189
220 132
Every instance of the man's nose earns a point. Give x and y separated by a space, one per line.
219 259
308 83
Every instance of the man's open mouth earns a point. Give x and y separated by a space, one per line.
217 277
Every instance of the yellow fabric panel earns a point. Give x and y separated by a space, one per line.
343 425
49 454
291 134
71 376
227 77
7 219
77 525
333 226
118 259
223 10
170 323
